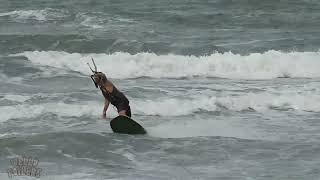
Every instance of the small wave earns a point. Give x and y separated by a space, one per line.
12 80
39 15
100 20
15 98
268 65
90 21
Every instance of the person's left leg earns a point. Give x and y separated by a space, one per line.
123 113
126 112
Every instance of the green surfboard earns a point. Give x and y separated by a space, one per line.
126 125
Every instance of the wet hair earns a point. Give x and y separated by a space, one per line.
101 77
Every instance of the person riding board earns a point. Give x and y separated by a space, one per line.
111 93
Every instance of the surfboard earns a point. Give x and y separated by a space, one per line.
126 125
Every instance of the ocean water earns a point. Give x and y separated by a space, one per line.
227 89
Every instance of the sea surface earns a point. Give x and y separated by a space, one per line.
227 89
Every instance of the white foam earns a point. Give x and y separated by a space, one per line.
174 107
29 111
268 65
265 101
16 98
39 15
262 102
9 134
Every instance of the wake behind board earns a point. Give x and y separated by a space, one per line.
126 125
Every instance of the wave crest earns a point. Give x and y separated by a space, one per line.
268 65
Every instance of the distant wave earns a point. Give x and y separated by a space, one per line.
268 65
39 15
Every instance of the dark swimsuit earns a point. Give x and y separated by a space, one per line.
118 99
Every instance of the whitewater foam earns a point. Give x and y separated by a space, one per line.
268 65
39 15
261 102
174 106
30 111
265 101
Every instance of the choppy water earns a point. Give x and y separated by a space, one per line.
226 89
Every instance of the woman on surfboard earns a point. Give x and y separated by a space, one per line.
111 94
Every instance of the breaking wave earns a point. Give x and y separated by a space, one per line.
262 102
268 65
